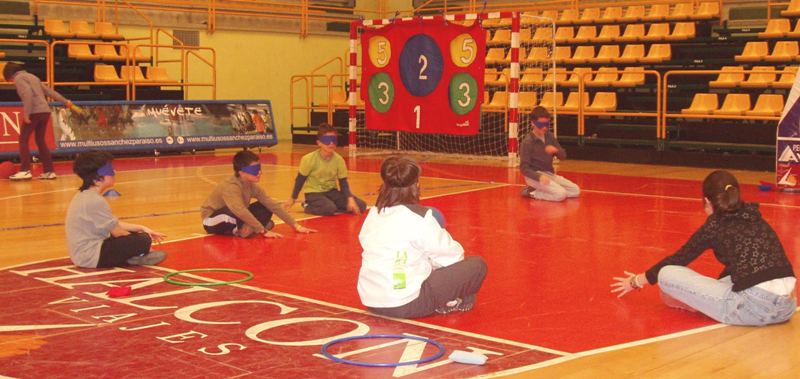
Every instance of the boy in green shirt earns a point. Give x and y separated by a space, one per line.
319 171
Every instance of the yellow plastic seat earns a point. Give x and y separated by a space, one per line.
527 100
578 73
542 34
128 73
525 35
760 77
562 53
501 37
159 74
793 10
605 76
607 54
550 13
2 67
702 103
491 23
787 78
574 102
682 31
656 32
499 102
499 80
631 77
608 33
768 105
589 16
754 51
142 53
784 51
633 13
559 75
568 17
521 57
495 55
108 53
603 102
490 76
658 53
57 29
582 55
633 33
105 73
564 34
682 11
81 29
611 15
551 100
532 76
657 12
106 30
795 33
777 28
529 18
81 51
585 34
538 54
631 54
486 98
707 10
735 104
730 77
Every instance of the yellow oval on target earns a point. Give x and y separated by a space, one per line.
380 51
463 50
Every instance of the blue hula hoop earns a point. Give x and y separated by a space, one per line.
330 356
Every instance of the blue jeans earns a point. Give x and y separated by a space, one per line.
716 298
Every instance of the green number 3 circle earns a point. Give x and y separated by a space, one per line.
463 93
381 92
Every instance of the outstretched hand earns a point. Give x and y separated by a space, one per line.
623 285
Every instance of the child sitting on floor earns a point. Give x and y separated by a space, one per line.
411 266
319 171
536 162
757 286
94 236
228 209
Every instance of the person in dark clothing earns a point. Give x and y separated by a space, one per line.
757 285
536 162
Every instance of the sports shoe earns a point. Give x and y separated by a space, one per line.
526 191
22 175
152 258
48 175
466 304
451 306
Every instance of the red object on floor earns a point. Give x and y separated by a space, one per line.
119 291
7 169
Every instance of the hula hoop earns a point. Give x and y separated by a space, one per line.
330 356
209 284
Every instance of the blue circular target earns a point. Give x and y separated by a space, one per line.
421 65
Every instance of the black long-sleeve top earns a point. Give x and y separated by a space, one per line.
533 158
742 241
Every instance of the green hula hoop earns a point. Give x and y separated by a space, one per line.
209 284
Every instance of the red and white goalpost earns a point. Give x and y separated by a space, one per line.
499 127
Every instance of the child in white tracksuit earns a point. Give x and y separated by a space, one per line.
411 266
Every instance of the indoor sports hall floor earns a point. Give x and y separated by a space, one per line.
544 311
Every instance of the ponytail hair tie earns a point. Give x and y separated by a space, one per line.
727 187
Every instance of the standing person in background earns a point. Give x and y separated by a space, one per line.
36 114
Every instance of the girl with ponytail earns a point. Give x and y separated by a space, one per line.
757 285
411 266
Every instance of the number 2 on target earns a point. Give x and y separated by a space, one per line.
418 112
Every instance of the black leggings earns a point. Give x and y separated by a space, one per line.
330 203
223 221
116 250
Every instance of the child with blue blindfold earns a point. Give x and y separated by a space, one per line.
536 154
228 210
95 237
318 174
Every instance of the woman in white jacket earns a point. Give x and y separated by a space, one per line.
411 266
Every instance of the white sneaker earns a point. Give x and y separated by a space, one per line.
48 175
22 175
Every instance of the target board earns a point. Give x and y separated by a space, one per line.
423 76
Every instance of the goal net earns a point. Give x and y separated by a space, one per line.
514 83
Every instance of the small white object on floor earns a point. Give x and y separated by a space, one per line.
467 357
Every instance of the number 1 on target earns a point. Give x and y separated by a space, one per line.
418 112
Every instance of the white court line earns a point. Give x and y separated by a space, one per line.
361 311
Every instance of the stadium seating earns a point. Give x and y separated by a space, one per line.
753 52
730 77
793 10
784 51
735 104
105 73
607 54
767 105
657 12
500 37
564 34
633 13
707 10
611 15
129 73
538 54
574 102
552 100
786 80
577 74
682 31
527 100
568 17
604 77
582 55
776 28
106 30
658 53
633 33
585 34
81 29
681 11
631 77
589 16
498 103
495 55
81 51
603 102
56 29
656 32
759 77
702 103
608 33
631 54
108 53
159 74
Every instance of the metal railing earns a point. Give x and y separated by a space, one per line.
48 58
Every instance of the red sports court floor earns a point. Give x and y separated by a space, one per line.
546 296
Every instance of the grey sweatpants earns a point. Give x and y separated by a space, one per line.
459 280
